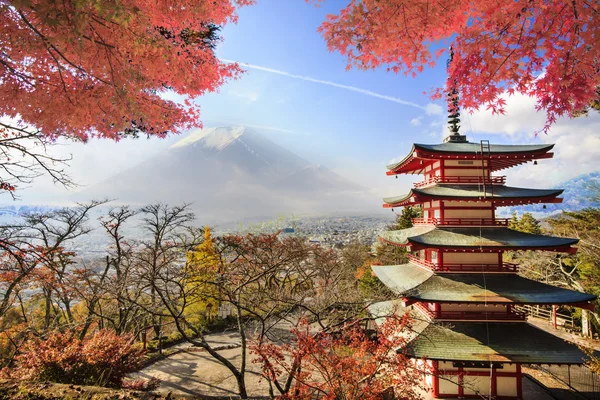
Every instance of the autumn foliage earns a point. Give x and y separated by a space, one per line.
102 359
544 49
82 68
348 364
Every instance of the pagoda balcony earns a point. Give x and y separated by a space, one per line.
459 268
468 180
461 221
480 316
471 315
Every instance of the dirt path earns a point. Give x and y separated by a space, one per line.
195 373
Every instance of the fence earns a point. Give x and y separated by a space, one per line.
583 384
564 320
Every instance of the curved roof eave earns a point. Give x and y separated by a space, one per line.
474 237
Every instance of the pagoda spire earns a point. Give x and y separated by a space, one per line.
453 107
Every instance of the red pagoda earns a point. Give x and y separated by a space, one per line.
456 284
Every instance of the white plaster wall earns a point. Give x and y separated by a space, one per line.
450 213
477 385
473 307
448 384
471 258
506 386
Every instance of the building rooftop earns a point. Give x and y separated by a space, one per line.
475 148
418 283
501 155
483 238
503 194
513 342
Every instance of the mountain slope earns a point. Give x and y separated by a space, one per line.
230 173
577 195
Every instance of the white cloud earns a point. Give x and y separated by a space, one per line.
433 109
250 96
520 118
416 121
430 109
577 141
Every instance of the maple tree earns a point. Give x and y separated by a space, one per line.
547 50
81 68
348 365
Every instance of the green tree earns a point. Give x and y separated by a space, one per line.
527 223
404 220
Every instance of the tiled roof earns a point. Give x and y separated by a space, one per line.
475 192
515 342
415 282
475 148
473 237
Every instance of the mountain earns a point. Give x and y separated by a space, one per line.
576 196
230 173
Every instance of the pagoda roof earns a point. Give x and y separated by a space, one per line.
499 194
484 238
421 284
502 155
513 342
475 148
510 342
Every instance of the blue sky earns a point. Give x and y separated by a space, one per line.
354 122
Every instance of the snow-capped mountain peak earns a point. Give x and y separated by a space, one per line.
211 138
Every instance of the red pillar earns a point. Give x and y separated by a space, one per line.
435 380
519 382
494 383
461 382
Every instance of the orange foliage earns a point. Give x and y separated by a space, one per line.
82 68
544 49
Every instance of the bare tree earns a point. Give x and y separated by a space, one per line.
271 285
24 156
49 234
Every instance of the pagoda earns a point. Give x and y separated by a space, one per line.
463 296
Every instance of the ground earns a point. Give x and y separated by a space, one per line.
193 372
56 391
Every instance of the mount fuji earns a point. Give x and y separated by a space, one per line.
233 173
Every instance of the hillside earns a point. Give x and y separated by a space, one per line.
230 173
576 196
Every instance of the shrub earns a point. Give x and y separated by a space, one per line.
103 359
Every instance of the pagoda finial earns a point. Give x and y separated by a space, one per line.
453 107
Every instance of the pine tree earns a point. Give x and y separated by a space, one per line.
529 224
514 222
404 220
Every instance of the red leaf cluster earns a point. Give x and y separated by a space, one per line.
545 49
348 364
82 68
102 359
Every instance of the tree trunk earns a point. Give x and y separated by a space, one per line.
585 323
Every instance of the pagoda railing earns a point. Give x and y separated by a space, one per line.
422 263
468 180
481 315
504 267
461 221
457 268
471 315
